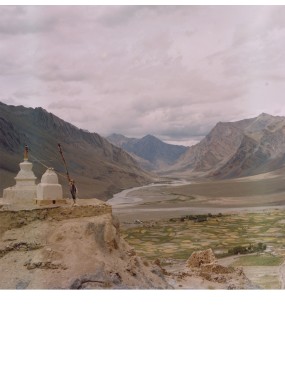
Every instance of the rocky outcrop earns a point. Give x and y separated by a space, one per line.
68 247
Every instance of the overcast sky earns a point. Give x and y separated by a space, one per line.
173 72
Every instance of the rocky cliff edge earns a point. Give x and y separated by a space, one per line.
70 248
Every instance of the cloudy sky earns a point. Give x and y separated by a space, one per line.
173 72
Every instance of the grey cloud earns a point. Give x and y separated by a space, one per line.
276 20
65 105
85 118
116 16
147 104
186 131
25 93
6 68
112 16
276 77
10 101
57 73
24 20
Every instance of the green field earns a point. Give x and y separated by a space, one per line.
259 260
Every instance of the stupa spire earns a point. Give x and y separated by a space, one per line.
26 153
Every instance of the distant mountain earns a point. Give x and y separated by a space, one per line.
149 151
236 149
99 168
121 140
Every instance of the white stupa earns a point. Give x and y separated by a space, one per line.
25 189
49 191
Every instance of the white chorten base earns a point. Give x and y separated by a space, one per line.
20 194
49 194
49 191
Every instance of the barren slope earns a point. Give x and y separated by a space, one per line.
70 248
99 168
236 149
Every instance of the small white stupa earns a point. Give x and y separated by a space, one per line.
49 191
25 189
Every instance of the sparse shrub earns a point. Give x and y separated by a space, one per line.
201 218
195 218
237 250
259 247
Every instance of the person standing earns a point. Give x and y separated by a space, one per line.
73 191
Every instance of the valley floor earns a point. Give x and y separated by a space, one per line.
255 194
238 213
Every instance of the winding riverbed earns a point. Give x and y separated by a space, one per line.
125 197
141 203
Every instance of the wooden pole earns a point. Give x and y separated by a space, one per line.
61 153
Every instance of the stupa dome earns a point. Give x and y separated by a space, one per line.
50 177
49 191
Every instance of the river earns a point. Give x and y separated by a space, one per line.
125 197
136 203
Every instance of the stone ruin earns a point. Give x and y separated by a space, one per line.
201 258
204 264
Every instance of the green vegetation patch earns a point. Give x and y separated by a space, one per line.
239 249
259 260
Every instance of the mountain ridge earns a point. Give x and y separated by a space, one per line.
99 168
149 151
233 149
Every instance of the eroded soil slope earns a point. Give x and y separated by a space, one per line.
70 248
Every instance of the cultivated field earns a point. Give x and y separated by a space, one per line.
174 240
244 212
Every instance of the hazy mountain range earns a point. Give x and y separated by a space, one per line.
99 168
231 149
236 149
150 152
